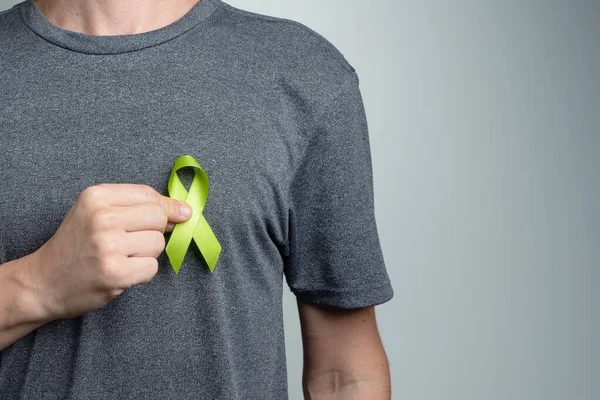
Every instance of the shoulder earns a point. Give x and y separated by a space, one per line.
293 40
8 16
9 30
296 58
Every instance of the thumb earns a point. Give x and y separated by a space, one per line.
177 211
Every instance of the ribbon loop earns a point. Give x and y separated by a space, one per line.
196 227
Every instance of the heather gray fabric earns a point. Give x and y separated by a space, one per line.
273 113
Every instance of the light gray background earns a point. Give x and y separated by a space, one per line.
484 120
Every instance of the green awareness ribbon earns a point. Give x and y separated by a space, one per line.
196 227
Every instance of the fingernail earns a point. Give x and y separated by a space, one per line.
185 209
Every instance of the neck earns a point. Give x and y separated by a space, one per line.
113 17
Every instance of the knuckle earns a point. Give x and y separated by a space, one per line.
162 216
160 241
104 244
90 199
155 241
172 206
109 272
102 219
149 267
153 266
92 194
158 214
146 187
152 195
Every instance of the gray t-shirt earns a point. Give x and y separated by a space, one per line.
273 113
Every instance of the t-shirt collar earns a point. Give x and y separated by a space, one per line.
101 44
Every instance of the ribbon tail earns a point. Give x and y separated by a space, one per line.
207 243
178 244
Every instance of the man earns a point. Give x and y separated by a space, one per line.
98 99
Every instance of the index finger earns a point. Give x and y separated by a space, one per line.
127 194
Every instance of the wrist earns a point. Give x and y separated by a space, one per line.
29 302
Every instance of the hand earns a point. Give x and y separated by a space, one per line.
108 242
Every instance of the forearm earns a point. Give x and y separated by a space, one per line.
344 357
349 380
19 308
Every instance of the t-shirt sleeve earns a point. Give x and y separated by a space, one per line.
334 256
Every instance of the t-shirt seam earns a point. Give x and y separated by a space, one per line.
304 27
346 83
6 11
315 122
14 8
200 25
343 291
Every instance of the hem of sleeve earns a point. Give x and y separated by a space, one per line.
353 298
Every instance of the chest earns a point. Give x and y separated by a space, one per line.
63 132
